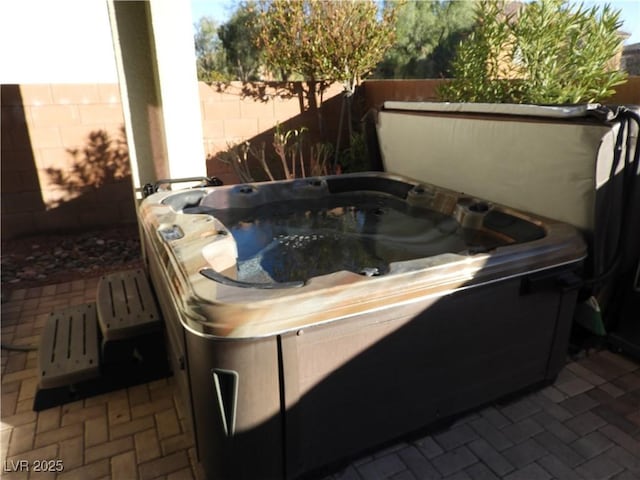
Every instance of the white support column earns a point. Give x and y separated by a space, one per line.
155 58
176 62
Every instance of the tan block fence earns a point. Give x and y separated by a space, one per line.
64 161
236 112
61 165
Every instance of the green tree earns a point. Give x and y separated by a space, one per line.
238 38
210 60
321 41
547 52
427 34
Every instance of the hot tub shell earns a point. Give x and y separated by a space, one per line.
282 381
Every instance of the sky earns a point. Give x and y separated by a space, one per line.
630 13
65 41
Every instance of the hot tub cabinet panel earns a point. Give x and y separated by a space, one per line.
285 376
235 389
370 379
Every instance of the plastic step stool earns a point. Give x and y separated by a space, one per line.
69 350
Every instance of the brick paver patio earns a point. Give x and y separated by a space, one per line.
586 425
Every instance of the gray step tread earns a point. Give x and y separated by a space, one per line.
126 305
68 350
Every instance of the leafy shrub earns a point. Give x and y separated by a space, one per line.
355 158
546 52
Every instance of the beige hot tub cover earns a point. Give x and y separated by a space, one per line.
545 160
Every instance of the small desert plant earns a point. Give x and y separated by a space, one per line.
319 160
288 148
237 156
297 157
547 52
261 155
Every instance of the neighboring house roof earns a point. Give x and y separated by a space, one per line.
631 59
633 48
513 8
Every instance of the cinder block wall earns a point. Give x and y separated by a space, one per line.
234 113
376 92
64 160
64 163
65 166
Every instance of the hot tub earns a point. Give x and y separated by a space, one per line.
309 320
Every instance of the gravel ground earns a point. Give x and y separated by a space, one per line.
47 259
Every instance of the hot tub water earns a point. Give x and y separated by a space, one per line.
295 241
